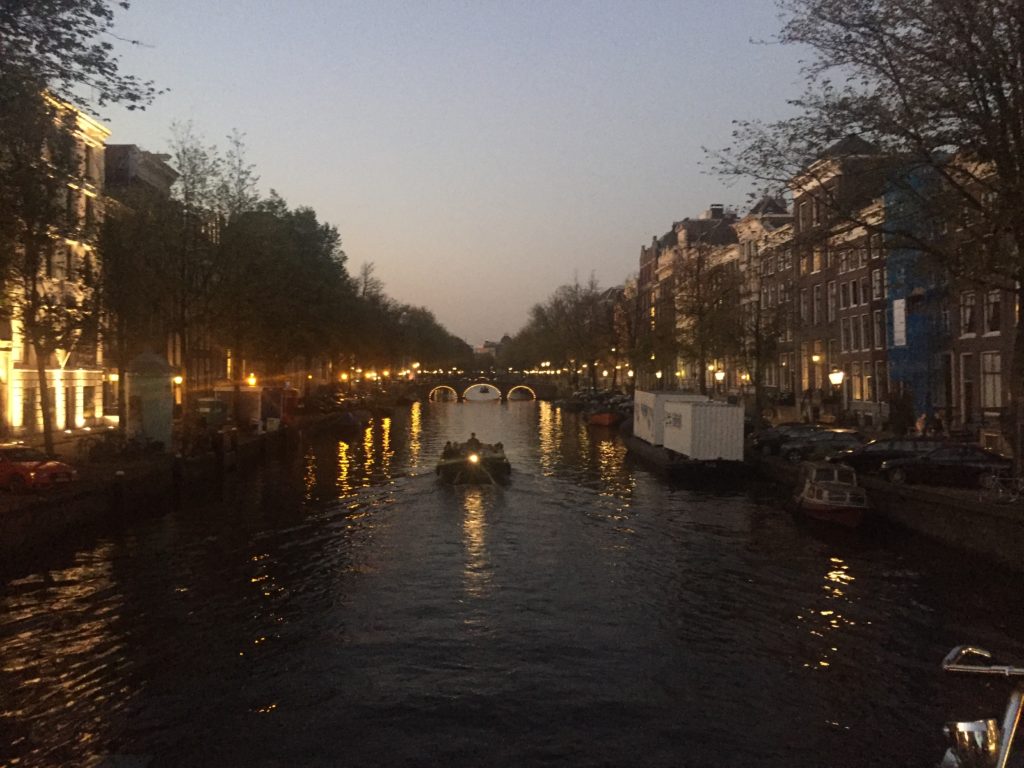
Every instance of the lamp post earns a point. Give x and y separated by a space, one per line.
719 378
836 380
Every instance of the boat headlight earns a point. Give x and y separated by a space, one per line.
474 458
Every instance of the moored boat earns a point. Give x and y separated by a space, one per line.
606 418
830 492
473 462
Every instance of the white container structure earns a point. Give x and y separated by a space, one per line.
704 431
649 413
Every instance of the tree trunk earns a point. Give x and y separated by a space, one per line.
1016 439
44 399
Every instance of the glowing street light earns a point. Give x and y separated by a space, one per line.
251 380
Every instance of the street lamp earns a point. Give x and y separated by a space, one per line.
719 378
836 380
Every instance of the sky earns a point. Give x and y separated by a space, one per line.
478 154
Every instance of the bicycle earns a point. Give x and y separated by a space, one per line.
985 742
1001 489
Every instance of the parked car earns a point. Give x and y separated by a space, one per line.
955 464
820 444
769 441
869 457
23 468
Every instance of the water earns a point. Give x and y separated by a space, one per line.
348 610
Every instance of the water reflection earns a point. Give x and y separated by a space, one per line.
415 433
549 428
827 621
477 572
66 646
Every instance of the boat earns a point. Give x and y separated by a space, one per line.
473 463
829 492
606 418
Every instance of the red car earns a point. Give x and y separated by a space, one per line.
23 468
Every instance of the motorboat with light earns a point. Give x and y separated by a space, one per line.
473 462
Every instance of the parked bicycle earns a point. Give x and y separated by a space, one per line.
1001 489
985 743
112 445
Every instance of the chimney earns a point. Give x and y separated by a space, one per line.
716 211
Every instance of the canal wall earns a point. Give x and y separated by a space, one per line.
33 523
953 516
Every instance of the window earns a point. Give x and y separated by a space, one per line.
855 339
993 311
854 293
876 283
858 390
881 381
816 260
991 380
869 384
967 385
772 295
862 254
818 317
967 312
879 334
844 262
844 334
865 331
831 301
804 309
844 295
865 289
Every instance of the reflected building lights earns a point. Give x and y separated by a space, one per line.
548 427
343 482
415 433
830 618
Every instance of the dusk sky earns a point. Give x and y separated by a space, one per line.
480 154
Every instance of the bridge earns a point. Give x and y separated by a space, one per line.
507 386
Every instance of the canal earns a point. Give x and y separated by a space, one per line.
345 609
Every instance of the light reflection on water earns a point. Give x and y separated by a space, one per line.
351 610
474 527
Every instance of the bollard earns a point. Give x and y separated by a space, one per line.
117 493
177 479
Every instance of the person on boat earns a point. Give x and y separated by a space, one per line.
473 444
448 450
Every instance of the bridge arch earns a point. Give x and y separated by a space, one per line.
518 387
486 388
435 395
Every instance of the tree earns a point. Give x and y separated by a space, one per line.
138 234
707 300
64 45
40 159
935 85
189 275
50 47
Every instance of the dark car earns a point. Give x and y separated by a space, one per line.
820 444
954 464
869 457
769 441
